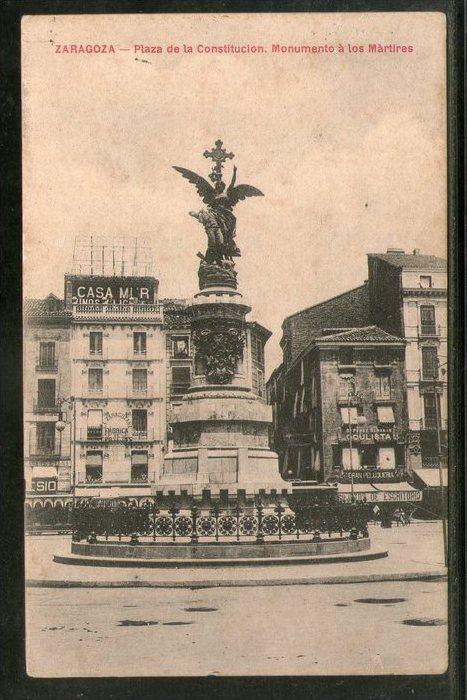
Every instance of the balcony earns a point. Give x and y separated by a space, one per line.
115 478
429 330
103 435
118 312
46 365
45 407
45 455
179 389
141 392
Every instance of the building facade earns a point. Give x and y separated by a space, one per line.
47 381
408 297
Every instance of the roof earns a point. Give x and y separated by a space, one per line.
412 261
41 308
367 334
322 306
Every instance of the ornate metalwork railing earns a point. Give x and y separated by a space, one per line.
213 523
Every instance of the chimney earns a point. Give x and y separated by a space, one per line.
395 251
416 251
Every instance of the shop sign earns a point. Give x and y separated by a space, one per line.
367 433
362 475
44 484
117 426
381 496
113 290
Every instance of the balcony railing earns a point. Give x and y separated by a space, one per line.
46 365
45 455
139 392
107 435
116 478
179 388
153 312
429 330
45 407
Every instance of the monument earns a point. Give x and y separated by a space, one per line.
221 428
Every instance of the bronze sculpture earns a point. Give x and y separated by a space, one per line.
217 218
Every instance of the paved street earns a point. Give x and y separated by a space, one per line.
321 629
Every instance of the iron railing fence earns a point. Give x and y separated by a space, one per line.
151 521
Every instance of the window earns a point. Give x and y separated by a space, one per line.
139 466
95 342
45 439
346 385
180 379
345 415
94 431
383 386
383 356
425 281
46 393
95 380
47 355
351 458
385 414
93 467
180 347
140 381
346 356
257 350
139 421
429 363
427 320
369 455
139 343
430 410
386 458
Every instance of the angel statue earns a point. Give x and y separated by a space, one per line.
217 218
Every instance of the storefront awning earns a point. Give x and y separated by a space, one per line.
430 477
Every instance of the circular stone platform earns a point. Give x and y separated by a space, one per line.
219 554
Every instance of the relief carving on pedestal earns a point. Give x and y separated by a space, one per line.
219 350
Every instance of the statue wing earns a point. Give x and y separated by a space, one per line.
204 189
242 192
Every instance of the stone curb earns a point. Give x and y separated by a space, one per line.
439 575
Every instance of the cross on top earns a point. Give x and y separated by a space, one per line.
219 155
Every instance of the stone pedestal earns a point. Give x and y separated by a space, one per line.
221 429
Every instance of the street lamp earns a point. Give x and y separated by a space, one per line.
439 445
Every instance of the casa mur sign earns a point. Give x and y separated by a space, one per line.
110 290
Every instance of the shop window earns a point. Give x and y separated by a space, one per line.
95 342
139 466
95 380
429 363
425 281
427 320
385 414
139 420
383 386
45 439
93 467
386 458
94 431
181 347
140 381
46 393
180 380
351 458
47 355
139 343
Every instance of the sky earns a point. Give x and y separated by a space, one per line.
348 148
